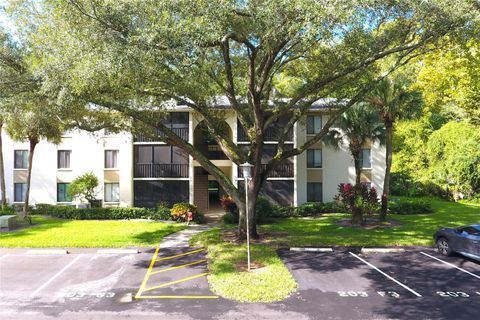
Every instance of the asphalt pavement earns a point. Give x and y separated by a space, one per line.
171 283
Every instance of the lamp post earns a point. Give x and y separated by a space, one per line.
247 174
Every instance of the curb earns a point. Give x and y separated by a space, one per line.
382 250
118 251
311 249
48 251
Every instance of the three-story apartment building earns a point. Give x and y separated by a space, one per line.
141 171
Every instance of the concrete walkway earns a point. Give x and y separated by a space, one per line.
181 238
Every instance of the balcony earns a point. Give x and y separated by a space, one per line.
215 153
160 170
181 132
284 170
271 134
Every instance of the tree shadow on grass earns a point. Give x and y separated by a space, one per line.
40 224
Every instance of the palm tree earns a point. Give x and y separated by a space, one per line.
394 101
357 126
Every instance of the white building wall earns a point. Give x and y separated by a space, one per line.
87 155
337 167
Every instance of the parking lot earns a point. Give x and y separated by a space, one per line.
172 283
416 284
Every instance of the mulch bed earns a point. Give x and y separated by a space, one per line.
370 224
254 267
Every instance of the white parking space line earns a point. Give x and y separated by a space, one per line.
386 275
451 265
34 293
4 256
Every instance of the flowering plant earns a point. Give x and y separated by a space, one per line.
228 204
184 212
360 200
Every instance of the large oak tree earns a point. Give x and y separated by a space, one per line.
136 56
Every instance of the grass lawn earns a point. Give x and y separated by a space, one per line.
414 229
273 282
50 232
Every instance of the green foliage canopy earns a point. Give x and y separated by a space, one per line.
83 187
453 154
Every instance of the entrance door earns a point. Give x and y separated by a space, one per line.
213 193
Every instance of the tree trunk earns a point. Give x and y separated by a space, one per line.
2 170
357 216
358 166
388 166
242 223
33 144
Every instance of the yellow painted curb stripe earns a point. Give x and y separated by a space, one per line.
147 275
181 254
177 297
176 281
178 267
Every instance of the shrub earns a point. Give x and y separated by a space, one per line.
162 212
42 208
314 208
230 207
184 212
410 206
70 212
359 200
199 218
263 209
229 218
279 211
6 211
83 187
228 204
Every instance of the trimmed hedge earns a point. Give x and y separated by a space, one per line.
7 211
70 212
409 207
315 208
265 210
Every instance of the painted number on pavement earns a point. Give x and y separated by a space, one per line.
73 295
352 294
391 294
453 294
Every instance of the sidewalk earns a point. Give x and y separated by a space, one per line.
181 238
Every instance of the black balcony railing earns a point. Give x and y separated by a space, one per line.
181 132
284 170
214 152
160 170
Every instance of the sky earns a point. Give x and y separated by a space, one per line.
5 22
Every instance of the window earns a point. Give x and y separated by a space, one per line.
160 154
314 158
20 191
111 157
314 124
366 158
112 192
62 192
314 192
151 193
63 159
21 159
471 231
